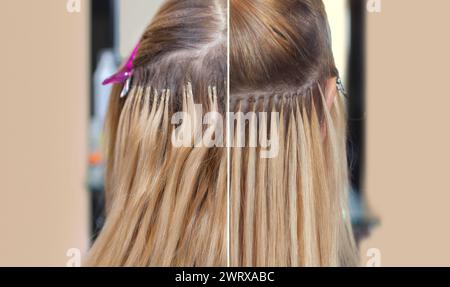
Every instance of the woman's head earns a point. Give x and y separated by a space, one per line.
279 44
289 209
167 204
185 43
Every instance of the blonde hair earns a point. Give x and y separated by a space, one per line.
290 210
167 205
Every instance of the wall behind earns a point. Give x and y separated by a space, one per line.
134 16
43 124
408 155
338 18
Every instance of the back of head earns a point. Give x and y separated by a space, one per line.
279 44
288 208
185 43
167 204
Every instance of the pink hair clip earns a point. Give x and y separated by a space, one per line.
124 75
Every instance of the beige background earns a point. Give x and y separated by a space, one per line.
44 112
43 125
408 137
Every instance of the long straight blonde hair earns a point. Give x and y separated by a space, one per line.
167 205
291 209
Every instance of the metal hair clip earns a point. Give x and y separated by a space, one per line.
126 87
124 75
340 87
